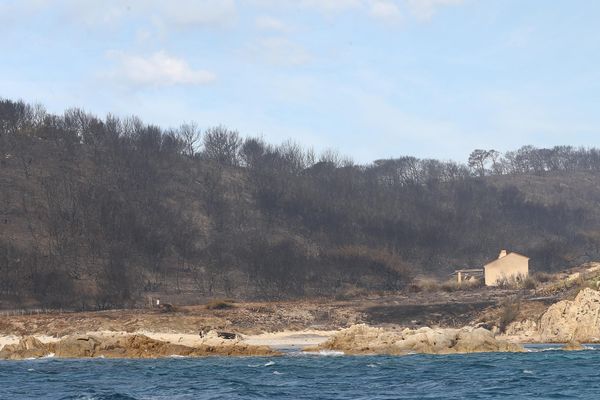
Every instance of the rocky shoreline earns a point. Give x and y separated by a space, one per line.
126 346
568 321
363 339
357 339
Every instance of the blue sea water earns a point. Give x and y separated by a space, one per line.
532 375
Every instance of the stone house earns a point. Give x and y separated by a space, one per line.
508 266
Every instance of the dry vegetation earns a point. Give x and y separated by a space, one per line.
104 213
219 305
510 309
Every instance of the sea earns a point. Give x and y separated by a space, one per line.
540 373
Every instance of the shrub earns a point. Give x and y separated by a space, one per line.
219 305
349 292
424 285
529 283
512 282
452 285
509 312
471 284
543 277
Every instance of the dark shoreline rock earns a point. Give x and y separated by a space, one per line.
573 346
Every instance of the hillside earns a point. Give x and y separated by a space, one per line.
101 213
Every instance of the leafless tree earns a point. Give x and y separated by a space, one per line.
191 136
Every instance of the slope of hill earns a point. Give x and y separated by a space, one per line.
100 213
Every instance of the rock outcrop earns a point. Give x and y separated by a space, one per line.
526 330
28 347
573 346
123 346
576 320
363 339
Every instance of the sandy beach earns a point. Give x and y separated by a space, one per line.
289 339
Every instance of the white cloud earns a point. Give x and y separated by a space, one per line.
173 14
13 12
196 12
268 23
425 9
94 14
158 69
330 5
385 10
179 14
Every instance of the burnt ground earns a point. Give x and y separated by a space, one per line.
438 308
414 315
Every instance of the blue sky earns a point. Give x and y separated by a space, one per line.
370 78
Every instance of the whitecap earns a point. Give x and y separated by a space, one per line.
270 363
326 353
176 356
538 350
527 371
49 355
277 373
30 369
331 353
371 365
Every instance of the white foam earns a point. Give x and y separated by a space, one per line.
537 350
277 373
49 355
331 353
527 371
270 363
326 353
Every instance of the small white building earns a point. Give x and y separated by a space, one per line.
508 266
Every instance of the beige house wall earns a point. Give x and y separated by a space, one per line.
506 267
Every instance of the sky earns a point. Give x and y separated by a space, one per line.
370 78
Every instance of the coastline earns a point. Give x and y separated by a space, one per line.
148 344
277 343
281 339
268 343
244 329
